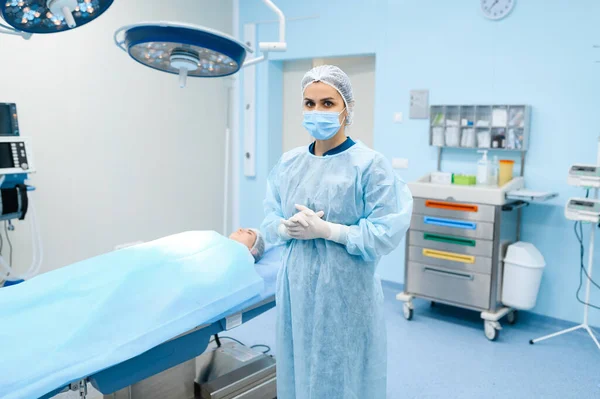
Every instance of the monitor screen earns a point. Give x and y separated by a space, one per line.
587 204
584 168
6 120
6 157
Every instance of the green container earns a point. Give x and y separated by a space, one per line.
465 180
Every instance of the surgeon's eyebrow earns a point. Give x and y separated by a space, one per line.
321 99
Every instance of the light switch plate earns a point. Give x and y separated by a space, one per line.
399 163
397 117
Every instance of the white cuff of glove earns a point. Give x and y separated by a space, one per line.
282 232
338 233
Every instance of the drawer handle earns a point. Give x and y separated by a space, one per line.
458 224
450 206
445 273
449 240
432 253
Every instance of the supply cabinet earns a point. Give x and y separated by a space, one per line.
454 252
459 234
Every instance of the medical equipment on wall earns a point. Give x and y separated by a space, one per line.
581 175
460 233
9 122
16 155
16 161
583 210
190 50
27 17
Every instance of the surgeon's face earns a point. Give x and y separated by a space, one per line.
319 96
244 236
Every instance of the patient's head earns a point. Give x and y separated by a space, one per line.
252 239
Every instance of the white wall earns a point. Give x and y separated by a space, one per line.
122 152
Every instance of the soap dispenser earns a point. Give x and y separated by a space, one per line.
484 169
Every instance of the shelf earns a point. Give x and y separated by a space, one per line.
501 114
530 196
482 149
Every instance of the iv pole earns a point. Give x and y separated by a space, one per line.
586 307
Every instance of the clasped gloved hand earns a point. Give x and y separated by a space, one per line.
309 225
294 223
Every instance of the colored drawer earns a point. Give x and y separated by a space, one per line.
450 260
443 242
462 288
454 210
456 227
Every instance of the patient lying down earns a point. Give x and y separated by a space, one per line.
252 239
127 302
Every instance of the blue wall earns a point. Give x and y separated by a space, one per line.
539 55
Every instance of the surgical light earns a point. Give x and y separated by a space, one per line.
27 17
186 50
190 50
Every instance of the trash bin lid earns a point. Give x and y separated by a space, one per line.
524 254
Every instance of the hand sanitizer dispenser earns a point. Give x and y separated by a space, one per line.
484 169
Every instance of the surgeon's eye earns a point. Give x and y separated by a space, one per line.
309 103
328 104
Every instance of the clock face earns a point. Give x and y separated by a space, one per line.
497 9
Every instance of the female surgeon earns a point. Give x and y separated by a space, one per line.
339 207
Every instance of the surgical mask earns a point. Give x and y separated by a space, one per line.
322 125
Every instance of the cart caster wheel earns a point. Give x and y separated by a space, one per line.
433 304
531 342
408 312
511 318
490 330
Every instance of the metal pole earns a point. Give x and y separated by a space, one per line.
226 187
226 172
280 17
519 224
586 307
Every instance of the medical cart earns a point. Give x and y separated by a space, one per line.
459 234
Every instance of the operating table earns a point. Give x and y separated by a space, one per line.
185 346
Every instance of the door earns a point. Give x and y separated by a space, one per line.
360 70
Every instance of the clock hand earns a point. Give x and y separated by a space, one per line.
493 5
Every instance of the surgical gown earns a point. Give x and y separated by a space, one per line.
331 336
